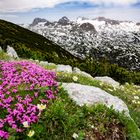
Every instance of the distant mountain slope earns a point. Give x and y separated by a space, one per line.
31 45
117 41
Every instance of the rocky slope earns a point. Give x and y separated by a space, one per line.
117 41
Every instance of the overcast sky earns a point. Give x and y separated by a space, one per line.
24 11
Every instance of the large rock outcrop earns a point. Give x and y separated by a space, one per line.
90 95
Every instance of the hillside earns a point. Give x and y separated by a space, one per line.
40 101
31 45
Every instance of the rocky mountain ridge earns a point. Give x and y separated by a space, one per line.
116 41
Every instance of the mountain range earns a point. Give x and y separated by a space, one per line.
101 38
29 44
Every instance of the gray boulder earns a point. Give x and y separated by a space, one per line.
64 68
90 95
11 52
44 63
86 74
78 71
108 80
51 64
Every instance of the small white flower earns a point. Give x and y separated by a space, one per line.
121 87
25 124
41 106
136 97
92 126
75 136
101 83
75 78
31 133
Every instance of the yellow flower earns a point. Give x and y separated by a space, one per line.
41 106
59 87
75 78
25 124
134 101
139 102
31 133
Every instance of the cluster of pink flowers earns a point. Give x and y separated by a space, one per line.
20 91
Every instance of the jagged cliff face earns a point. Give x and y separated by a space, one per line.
118 41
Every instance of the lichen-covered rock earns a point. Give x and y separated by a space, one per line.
107 80
90 95
64 68
11 52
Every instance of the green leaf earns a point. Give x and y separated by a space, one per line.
11 138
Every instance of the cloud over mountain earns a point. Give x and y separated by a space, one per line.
26 5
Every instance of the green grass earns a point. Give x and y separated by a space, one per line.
4 56
50 67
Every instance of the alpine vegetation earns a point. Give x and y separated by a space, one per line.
25 90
